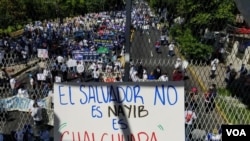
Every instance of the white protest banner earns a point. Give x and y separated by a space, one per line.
41 77
21 104
119 111
71 63
42 53
80 68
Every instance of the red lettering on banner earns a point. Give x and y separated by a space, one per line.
109 79
87 136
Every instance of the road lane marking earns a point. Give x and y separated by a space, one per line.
149 40
151 54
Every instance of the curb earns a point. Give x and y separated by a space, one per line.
203 87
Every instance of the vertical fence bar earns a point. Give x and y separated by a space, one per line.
127 38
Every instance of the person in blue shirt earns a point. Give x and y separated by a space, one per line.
243 70
214 136
28 133
1 137
45 135
151 76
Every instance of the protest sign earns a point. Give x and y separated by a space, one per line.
41 77
22 103
85 55
42 53
119 111
16 103
71 63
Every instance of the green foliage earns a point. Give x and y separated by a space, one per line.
189 46
19 27
175 31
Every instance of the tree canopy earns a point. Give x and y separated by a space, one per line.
18 12
198 15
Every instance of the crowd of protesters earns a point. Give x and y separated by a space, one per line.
101 36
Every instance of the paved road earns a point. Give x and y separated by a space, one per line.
143 49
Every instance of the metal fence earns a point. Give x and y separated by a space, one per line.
230 106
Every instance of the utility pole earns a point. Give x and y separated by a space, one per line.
127 38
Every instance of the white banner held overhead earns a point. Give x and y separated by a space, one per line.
71 63
22 104
132 111
42 53
41 77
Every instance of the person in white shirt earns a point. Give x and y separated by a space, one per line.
24 55
135 77
13 85
109 68
36 113
46 72
163 77
190 117
178 63
171 49
22 92
51 95
32 101
60 59
96 74
32 82
214 64
145 75
80 70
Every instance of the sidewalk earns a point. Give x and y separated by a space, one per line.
202 74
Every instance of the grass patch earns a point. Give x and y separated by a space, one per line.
232 108
223 92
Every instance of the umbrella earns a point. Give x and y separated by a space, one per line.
103 50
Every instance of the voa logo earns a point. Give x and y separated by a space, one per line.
236 132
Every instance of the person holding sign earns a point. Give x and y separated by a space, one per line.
80 69
36 114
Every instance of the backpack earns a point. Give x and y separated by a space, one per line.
188 117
